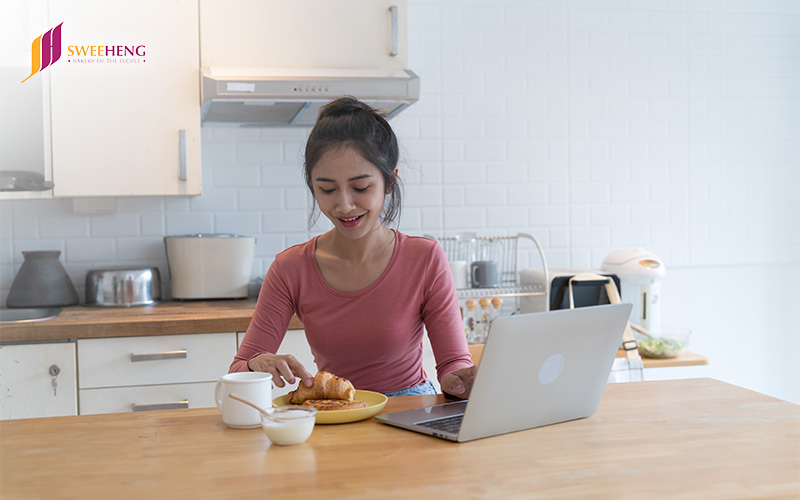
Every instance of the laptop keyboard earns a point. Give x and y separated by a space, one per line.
447 424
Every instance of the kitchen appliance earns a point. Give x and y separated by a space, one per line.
210 266
271 63
585 293
277 96
42 282
640 273
123 286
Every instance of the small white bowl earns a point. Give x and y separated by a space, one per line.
287 425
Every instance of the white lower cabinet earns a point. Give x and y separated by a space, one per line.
127 374
27 376
147 398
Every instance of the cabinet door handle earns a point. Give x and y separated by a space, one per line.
395 32
176 405
157 356
182 175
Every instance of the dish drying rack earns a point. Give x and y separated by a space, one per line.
505 251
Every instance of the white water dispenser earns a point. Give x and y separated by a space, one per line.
640 273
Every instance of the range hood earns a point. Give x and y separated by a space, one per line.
292 96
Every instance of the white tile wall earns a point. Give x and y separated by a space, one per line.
669 124
673 125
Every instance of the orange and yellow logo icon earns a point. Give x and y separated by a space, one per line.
45 50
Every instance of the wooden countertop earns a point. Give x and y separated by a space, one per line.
695 438
174 317
684 359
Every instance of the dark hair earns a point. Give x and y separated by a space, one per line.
349 122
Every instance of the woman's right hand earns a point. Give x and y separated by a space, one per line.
282 367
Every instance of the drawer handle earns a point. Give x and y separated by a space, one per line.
177 405
156 356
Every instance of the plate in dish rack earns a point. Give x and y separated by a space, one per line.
375 401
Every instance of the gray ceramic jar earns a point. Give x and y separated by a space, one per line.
42 282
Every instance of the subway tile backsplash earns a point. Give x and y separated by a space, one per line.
671 125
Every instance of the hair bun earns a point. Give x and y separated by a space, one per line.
344 105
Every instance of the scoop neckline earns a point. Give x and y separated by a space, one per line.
368 288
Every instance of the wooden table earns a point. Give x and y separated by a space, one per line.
697 438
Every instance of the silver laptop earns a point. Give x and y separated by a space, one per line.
536 369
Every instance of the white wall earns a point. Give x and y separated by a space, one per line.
743 318
594 125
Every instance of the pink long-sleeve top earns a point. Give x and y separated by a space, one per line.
373 337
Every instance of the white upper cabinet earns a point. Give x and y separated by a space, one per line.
25 160
126 122
342 34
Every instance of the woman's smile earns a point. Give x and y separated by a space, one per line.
351 221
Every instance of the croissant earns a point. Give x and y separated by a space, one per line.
326 386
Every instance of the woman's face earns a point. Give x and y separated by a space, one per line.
350 191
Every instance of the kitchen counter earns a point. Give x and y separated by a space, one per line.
166 318
685 358
697 438
186 317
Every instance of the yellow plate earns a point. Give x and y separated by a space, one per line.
375 400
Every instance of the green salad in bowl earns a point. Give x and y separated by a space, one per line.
669 343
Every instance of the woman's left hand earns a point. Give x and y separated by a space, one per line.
459 382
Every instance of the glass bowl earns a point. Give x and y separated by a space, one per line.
288 425
667 342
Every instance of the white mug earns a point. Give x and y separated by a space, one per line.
459 270
255 386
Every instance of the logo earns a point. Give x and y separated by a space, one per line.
45 50
551 369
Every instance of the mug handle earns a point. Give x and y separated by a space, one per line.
474 275
218 396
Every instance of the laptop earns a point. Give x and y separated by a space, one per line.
536 369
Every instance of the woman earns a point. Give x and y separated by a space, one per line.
362 290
